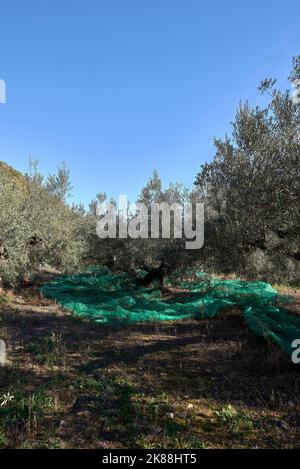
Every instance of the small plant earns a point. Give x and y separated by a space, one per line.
237 422
3 439
226 414
6 399
4 299
53 443
54 349
54 342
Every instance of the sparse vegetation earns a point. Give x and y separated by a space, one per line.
183 385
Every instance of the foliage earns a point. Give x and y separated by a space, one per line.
252 190
36 228
157 255
59 185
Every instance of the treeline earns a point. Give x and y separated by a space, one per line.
37 227
251 192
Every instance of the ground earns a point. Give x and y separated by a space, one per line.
72 383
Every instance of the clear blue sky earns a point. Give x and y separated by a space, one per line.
117 88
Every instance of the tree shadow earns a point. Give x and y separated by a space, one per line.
215 358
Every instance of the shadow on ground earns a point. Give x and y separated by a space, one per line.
115 385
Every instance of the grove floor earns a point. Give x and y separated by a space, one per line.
72 383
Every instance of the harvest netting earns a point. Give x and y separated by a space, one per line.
115 298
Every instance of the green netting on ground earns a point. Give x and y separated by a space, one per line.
108 298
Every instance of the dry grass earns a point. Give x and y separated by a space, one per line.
192 384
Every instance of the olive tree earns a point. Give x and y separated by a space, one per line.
36 228
252 188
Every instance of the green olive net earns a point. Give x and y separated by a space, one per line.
115 298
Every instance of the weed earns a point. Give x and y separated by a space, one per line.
3 438
226 414
4 299
236 422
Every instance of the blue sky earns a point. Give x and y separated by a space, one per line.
117 88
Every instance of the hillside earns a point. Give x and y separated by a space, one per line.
9 173
37 227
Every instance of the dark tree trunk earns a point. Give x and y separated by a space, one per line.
154 275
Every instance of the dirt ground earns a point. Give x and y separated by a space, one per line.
72 383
